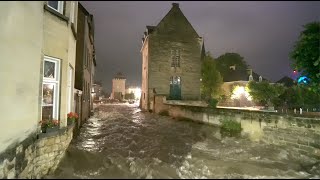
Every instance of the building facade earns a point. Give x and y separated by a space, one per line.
234 87
97 91
38 45
118 87
85 62
171 60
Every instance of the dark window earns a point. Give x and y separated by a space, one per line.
57 6
175 58
49 69
53 4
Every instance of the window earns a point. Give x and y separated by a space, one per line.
56 5
50 88
175 80
72 11
175 58
70 93
85 56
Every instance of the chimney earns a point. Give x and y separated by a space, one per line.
175 5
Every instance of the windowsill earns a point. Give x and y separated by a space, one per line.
61 16
73 31
53 133
57 132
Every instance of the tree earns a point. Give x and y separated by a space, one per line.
306 54
265 93
211 79
129 96
300 96
229 59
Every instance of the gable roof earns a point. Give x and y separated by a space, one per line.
175 11
240 75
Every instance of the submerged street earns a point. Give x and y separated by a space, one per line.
120 141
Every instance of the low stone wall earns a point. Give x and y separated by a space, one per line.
36 156
298 132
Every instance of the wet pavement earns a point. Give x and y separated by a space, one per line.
120 141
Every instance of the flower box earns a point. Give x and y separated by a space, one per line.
52 129
49 125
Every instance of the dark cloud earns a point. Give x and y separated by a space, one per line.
262 32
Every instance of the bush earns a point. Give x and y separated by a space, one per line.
164 113
213 103
230 127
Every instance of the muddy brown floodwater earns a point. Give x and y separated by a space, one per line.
120 141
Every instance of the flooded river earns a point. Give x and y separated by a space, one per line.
120 141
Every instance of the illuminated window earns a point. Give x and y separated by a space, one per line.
56 5
50 88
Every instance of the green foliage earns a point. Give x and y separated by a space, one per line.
306 54
300 96
229 59
212 103
265 93
211 78
164 113
129 96
230 127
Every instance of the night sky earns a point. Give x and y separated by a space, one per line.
262 32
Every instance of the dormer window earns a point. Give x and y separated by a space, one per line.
56 5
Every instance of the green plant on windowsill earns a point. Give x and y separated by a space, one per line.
49 125
72 118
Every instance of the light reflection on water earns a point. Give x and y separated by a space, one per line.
122 142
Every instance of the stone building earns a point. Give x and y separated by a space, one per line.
234 90
171 59
85 63
118 86
97 91
37 47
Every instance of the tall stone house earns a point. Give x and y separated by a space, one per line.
85 63
118 86
171 60
38 50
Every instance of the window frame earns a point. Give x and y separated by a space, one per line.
72 11
59 8
175 58
56 85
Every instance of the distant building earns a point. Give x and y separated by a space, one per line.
237 77
286 81
133 92
97 91
118 87
85 62
171 59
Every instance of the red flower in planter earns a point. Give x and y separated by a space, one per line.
55 122
72 117
49 123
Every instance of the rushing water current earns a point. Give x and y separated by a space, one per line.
120 141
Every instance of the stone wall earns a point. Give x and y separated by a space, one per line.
300 133
36 156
